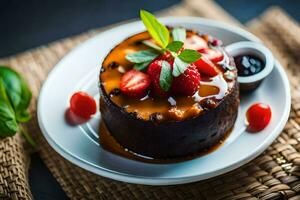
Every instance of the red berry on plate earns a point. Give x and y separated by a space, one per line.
188 82
195 42
212 54
205 66
135 84
258 117
153 71
83 105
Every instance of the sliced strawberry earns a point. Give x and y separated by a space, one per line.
212 54
135 84
188 82
206 67
195 42
153 71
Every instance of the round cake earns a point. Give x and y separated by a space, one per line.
177 122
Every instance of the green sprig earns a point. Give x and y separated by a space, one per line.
165 78
161 36
157 30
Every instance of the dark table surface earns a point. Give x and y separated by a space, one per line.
28 24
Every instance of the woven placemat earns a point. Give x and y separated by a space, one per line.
273 175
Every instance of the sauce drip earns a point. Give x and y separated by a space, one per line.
216 87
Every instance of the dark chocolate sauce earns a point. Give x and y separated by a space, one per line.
248 65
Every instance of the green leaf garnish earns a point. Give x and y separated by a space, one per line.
182 61
179 66
157 30
165 78
152 45
141 66
141 56
161 36
189 55
174 46
179 34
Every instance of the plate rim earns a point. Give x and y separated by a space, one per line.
167 181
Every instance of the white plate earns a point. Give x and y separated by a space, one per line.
79 70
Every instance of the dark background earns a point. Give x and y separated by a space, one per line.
31 23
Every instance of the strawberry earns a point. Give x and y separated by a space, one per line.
195 42
188 82
83 105
153 71
206 67
135 84
212 54
165 56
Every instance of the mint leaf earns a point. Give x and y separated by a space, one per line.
157 30
165 78
141 56
175 46
189 55
141 66
152 45
179 34
179 66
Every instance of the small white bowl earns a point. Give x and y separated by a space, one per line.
249 83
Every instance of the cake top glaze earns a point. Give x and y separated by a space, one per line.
159 89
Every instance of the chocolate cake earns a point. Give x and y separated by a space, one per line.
169 126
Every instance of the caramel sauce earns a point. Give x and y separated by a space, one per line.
108 142
186 107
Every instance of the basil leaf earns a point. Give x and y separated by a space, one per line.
8 124
141 66
157 30
23 116
17 90
165 78
179 66
152 45
189 55
25 96
179 34
141 56
175 46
